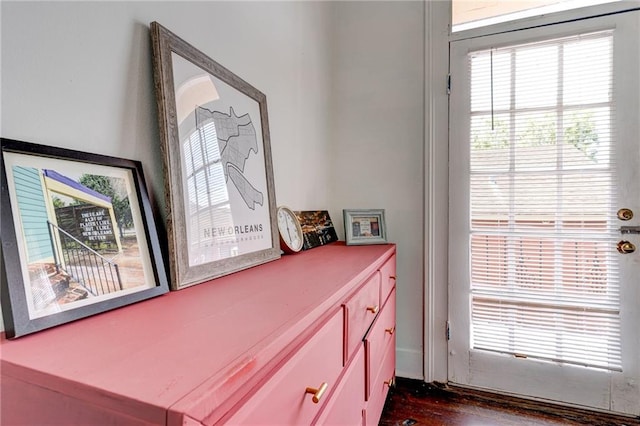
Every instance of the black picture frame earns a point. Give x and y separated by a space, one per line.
78 236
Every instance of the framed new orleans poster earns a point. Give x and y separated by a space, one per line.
217 161
78 236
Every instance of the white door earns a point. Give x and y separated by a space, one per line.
544 150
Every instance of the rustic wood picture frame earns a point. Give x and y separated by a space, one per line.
214 227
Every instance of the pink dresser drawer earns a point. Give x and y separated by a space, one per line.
360 311
346 405
380 388
379 341
388 278
283 399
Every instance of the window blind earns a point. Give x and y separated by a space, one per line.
544 273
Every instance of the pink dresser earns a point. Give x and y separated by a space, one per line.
307 339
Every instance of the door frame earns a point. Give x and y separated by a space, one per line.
437 18
574 388
436 184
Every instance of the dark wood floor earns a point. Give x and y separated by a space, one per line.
413 402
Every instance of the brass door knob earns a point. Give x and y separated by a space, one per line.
625 214
625 247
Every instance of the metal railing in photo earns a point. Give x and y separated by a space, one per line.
95 273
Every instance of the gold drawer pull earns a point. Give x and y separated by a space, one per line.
390 382
317 393
373 309
391 330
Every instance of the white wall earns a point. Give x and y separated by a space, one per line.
376 146
78 75
344 87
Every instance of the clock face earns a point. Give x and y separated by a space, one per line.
290 230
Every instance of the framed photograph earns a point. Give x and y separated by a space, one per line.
217 161
364 227
78 236
317 228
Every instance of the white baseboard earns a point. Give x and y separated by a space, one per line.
409 364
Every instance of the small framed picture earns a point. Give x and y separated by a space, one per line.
364 227
317 228
78 236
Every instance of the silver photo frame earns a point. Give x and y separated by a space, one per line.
364 226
